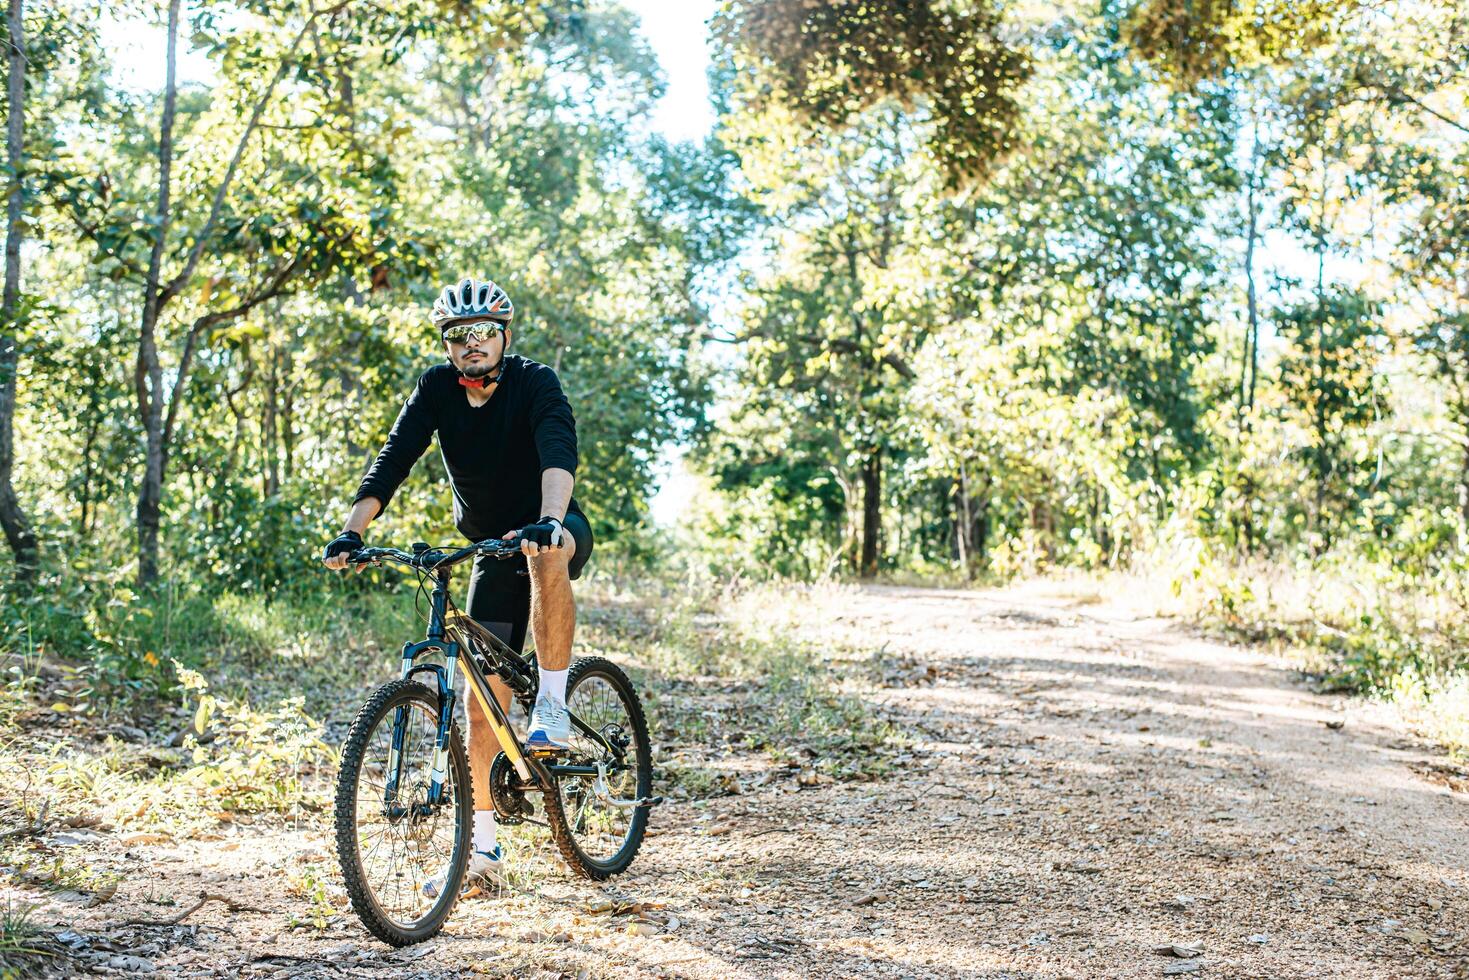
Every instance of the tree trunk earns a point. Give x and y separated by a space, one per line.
981 533
871 511
961 519
1252 329
1462 413
148 373
971 519
1464 485
18 532
94 422
1323 458
288 414
269 426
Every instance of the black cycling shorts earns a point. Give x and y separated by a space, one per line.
499 588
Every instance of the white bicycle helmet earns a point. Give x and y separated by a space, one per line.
472 298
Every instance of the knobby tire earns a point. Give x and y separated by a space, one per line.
641 748
383 701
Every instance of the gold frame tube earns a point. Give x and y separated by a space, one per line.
499 723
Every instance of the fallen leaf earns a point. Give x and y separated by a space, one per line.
73 939
642 929
1180 950
1183 966
416 953
133 839
131 964
870 899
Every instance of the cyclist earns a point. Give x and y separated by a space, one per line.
508 440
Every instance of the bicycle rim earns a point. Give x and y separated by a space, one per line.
605 836
397 841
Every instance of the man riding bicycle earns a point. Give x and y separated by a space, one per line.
508 440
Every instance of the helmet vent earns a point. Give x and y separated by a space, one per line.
471 297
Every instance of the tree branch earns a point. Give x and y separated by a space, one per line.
270 290
89 232
899 365
1400 96
178 282
1397 95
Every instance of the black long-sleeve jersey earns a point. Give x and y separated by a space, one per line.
495 453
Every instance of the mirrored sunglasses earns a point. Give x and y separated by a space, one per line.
460 333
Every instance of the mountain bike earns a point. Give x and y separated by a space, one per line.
403 798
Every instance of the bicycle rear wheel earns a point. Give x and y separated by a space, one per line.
390 842
597 837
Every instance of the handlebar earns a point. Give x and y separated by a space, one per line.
432 559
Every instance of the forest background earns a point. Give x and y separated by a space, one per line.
956 291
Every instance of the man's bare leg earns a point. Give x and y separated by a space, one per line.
483 745
552 607
553 618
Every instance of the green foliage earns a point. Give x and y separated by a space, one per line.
827 63
395 152
1019 362
1209 38
314 884
255 760
956 290
18 933
1329 377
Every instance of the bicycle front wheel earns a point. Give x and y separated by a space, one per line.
391 839
594 822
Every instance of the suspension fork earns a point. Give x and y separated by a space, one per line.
400 725
440 772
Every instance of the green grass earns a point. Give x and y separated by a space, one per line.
18 940
256 696
717 681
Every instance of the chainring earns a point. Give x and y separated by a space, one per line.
506 792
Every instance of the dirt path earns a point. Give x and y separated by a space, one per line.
1083 785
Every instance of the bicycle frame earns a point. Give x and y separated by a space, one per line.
444 636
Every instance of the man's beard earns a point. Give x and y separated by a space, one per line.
479 368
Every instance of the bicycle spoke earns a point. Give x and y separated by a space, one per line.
398 854
600 828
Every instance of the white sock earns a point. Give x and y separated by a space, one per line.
484 831
553 684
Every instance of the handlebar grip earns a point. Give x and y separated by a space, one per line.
500 546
